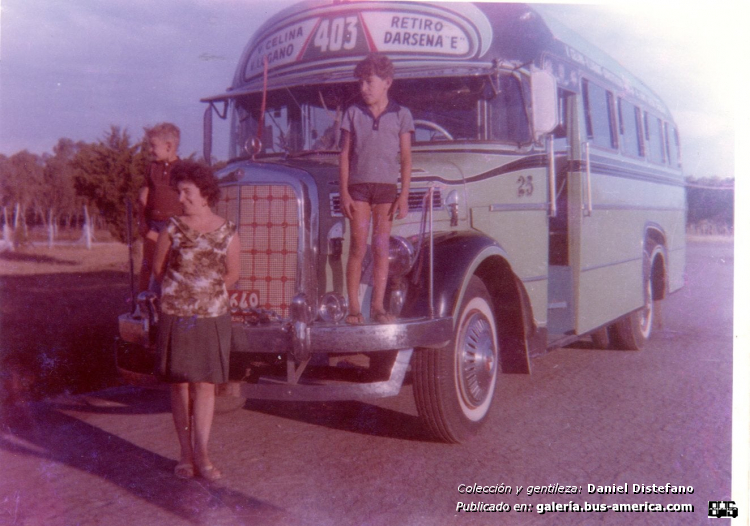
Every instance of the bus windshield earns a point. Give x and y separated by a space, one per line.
449 109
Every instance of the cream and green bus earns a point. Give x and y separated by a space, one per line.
547 205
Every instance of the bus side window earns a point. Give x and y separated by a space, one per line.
662 149
654 133
598 109
630 130
639 126
673 145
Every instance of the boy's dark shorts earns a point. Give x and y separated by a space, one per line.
156 226
374 193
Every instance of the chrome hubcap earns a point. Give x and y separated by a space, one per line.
477 360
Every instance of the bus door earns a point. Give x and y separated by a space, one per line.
606 245
563 218
583 289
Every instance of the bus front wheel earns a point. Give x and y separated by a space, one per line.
454 386
631 332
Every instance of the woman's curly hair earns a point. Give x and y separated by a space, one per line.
200 175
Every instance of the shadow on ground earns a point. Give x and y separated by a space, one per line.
57 332
34 258
59 441
355 417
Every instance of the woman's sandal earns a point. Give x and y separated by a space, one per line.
184 470
383 317
355 319
209 472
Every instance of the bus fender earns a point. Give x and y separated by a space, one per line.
654 235
457 257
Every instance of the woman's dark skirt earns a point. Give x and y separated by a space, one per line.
193 349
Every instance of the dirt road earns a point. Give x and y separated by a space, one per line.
584 417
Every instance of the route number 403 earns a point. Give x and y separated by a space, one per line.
336 34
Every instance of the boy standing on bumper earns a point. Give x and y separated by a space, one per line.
376 149
158 199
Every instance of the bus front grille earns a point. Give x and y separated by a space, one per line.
268 223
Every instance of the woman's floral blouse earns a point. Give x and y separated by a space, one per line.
193 283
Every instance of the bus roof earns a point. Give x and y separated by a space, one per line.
597 61
320 41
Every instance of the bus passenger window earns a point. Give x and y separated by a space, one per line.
599 122
630 131
673 145
654 139
639 127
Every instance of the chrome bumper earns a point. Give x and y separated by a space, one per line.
303 391
283 339
279 338
340 338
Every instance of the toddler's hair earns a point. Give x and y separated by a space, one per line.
374 64
165 131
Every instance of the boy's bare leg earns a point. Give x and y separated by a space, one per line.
360 226
381 233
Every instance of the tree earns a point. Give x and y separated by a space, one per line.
109 172
23 180
4 180
58 196
710 199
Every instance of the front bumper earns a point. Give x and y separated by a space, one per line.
135 356
279 338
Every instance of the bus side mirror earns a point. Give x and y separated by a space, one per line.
543 102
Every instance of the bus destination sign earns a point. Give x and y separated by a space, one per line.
345 33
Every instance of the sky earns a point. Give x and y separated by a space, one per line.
75 68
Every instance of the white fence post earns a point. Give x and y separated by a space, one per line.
86 235
7 232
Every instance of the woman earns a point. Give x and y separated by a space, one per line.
197 258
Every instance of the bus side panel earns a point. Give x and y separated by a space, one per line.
609 293
518 223
613 240
676 251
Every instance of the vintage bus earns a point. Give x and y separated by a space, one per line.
547 205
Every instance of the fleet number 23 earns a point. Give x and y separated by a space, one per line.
525 185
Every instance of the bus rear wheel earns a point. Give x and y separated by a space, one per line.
454 386
631 332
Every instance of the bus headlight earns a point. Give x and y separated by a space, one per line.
400 256
332 307
301 310
398 296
